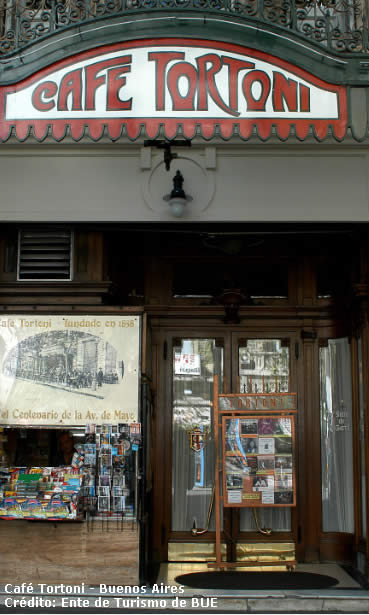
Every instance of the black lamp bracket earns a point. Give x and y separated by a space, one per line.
166 146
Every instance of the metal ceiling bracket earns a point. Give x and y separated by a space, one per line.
166 146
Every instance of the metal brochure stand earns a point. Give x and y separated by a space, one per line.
254 412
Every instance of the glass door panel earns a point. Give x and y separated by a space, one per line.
195 361
336 437
264 367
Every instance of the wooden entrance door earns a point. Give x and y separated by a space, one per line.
186 360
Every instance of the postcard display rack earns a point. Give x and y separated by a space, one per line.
110 462
255 467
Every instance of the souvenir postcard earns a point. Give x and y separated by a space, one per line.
103 503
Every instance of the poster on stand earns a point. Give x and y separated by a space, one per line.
258 461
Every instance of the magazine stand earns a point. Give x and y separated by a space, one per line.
254 437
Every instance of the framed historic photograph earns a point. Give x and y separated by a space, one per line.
250 445
249 427
265 464
99 379
234 481
283 444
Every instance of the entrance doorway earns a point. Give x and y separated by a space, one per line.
325 522
245 361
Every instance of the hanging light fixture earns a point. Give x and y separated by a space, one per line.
177 199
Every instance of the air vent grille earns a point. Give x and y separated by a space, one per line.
45 255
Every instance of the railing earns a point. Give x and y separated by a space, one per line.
338 25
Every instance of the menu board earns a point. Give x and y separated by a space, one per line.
258 461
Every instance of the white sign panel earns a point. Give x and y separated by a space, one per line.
69 370
267 497
187 364
234 497
187 81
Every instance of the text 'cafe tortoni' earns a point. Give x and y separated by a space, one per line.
184 264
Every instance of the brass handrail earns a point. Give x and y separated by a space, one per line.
196 531
266 531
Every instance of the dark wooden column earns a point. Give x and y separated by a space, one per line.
310 485
361 331
308 414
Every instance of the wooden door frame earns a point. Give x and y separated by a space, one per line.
163 337
311 543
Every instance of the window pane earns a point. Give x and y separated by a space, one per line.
336 437
263 367
194 364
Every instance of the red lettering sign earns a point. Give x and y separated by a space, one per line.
166 83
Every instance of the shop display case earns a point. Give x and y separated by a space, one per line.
101 480
40 493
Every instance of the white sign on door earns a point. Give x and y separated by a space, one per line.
187 364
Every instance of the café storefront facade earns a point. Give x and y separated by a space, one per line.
202 172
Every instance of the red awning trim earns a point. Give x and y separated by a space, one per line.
41 133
